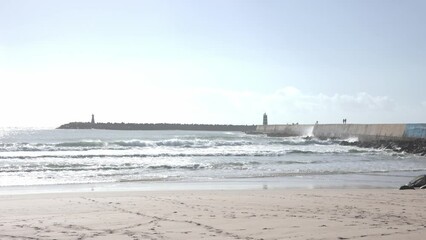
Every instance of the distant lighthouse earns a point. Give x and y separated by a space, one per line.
265 119
93 119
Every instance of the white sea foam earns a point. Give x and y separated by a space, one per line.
351 139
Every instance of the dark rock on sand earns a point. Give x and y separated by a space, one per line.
417 182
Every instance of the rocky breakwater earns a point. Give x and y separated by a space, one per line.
409 138
417 146
158 126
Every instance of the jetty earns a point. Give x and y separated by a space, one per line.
409 138
158 126
363 132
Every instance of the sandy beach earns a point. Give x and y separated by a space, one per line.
231 214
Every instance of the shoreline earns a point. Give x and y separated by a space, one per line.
227 214
343 181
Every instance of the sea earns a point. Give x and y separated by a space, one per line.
54 160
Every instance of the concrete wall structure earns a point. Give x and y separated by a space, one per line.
415 131
361 131
364 132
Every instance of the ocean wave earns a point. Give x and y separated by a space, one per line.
85 145
185 167
24 147
190 154
296 151
303 141
320 172
88 156
133 143
299 162
185 143
361 150
147 179
65 168
128 168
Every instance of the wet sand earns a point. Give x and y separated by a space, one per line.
231 214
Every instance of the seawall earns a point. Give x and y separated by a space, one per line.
364 132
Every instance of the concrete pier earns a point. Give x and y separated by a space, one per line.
364 132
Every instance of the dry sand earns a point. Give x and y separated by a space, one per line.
259 214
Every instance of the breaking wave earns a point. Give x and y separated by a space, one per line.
118 155
89 144
128 144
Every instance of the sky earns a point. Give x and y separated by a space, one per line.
214 62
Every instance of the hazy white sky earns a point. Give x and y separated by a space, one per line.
199 61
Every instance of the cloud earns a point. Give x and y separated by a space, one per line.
297 100
289 104
131 101
363 101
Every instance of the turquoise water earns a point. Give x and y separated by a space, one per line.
102 159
